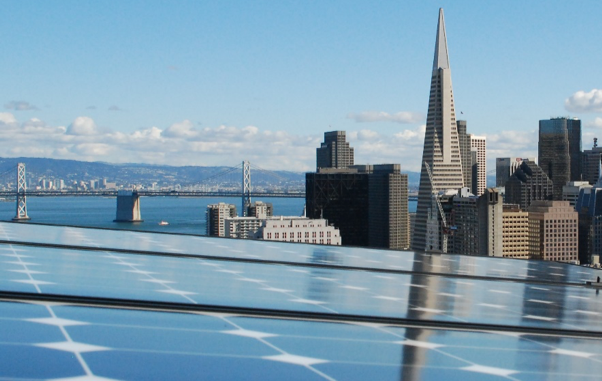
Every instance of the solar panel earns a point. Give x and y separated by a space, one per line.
88 302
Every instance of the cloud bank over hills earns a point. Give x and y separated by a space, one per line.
184 143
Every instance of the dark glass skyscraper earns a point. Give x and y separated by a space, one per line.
560 151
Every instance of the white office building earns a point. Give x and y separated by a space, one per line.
299 229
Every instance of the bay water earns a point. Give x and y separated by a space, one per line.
184 215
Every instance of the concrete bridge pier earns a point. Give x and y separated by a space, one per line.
128 207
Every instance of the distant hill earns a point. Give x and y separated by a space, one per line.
163 175
72 170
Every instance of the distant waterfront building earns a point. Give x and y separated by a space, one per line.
216 216
570 192
241 227
553 231
479 144
560 151
367 203
298 229
515 236
441 165
527 184
505 167
334 152
260 209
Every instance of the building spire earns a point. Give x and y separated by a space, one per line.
441 60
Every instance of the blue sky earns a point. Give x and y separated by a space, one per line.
217 82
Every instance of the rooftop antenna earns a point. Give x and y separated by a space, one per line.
595 142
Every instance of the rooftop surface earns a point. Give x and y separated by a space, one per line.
122 305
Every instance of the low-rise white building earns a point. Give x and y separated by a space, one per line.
241 227
298 229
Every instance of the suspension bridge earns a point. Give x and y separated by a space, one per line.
128 205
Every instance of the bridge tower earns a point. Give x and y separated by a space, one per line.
246 186
21 200
128 206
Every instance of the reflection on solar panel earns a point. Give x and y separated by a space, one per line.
88 303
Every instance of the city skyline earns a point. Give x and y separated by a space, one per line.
209 84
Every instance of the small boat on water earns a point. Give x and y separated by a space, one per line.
163 223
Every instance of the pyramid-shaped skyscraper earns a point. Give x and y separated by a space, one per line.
441 154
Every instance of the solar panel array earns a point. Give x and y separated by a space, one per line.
123 305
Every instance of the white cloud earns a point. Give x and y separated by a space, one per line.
184 129
7 118
404 117
183 144
82 125
584 102
20 106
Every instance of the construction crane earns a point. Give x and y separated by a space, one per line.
446 230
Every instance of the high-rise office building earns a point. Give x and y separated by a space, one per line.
388 217
560 151
515 232
478 144
505 167
589 207
553 231
441 166
464 139
590 163
368 203
334 152
490 207
528 183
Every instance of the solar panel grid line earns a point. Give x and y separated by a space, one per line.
164 306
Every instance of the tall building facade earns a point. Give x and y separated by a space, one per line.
515 232
560 151
589 207
553 231
528 183
478 144
490 207
216 217
464 139
388 217
367 203
441 166
335 151
590 163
